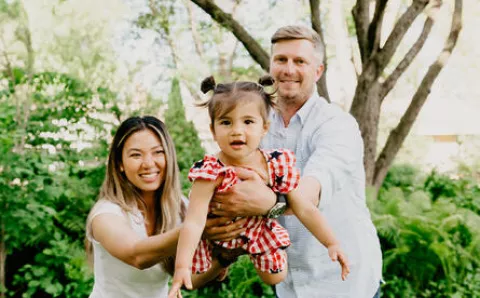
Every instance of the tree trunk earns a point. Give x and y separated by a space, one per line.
322 87
400 133
366 110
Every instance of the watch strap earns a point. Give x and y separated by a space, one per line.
279 207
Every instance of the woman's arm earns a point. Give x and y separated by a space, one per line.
118 238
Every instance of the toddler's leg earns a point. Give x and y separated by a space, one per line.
271 266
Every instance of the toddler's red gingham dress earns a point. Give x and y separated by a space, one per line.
264 238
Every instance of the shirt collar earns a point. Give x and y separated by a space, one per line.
304 111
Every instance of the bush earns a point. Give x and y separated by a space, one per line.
463 191
430 235
47 184
407 177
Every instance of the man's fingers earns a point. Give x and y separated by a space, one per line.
217 221
222 208
226 236
223 228
245 174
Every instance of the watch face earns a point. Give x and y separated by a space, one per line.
277 210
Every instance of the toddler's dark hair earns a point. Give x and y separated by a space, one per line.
225 96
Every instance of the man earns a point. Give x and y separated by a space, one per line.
329 151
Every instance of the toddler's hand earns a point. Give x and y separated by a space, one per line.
336 254
182 276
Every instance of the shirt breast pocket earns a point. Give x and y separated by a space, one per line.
303 151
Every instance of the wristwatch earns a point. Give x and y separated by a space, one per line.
279 207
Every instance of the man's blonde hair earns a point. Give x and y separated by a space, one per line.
301 32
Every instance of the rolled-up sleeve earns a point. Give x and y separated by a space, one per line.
336 147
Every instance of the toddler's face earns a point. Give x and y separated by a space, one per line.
239 132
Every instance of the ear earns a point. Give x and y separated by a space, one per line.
121 168
266 127
319 72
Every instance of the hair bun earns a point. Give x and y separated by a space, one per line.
266 80
207 84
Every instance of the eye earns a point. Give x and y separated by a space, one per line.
160 151
134 155
249 121
300 61
225 122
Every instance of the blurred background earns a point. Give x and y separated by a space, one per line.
71 70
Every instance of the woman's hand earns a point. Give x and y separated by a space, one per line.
336 254
181 277
226 256
223 228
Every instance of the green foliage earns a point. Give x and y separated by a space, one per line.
51 164
440 186
465 191
187 143
404 176
430 234
43 275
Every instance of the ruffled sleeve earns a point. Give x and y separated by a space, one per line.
208 169
285 173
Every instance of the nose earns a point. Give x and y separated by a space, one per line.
289 67
237 129
148 161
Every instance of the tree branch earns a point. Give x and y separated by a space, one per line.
165 25
398 135
251 45
232 56
407 60
193 27
361 17
384 56
375 28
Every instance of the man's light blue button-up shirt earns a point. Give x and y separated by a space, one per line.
328 146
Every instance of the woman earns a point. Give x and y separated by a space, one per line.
134 226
